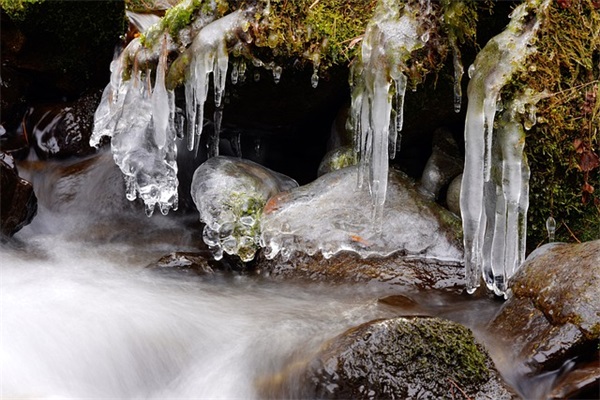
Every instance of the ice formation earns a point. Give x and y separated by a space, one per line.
230 194
328 216
140 120
494 191
210 55
140 117
379 87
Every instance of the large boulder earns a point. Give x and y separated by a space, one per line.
18 204
553 316
405 358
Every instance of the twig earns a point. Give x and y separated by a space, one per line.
571 232
314 4
458 387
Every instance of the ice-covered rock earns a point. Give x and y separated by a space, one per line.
443 165
230 194
332 215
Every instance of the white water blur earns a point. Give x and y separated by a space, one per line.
86 320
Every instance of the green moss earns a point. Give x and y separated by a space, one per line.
566 67
447 345
17 10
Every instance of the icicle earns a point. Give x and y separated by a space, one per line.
213 145
277 74
257 143
458 73
389 39
235 73
314 79
160 100
210 56
482 195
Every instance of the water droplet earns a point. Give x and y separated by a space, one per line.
314 80
551 228
277 74
471 70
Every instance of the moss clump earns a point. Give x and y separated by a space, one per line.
400 357
18 10
563 147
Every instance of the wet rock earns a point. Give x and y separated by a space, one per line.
443 165
63 130
339 158
581 383
453 195
18 203
395 270
553 315
198 263
402 358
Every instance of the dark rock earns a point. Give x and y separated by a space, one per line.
394 270
198 263
63 46
401 358
444 164
553 315
581 383
18 203
63 130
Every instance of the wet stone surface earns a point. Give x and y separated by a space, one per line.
416 357
18 203
553 315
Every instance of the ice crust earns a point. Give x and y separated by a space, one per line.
328 216
494 190
379 87
230 194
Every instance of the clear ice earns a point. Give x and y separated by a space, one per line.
140 120
328 216
379 81
139 116
494 191
230 194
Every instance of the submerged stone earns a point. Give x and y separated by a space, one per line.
553 315
416 357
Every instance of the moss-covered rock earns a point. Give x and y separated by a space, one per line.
425 358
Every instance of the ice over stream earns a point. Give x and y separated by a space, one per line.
140 115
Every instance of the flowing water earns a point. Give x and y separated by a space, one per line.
82 316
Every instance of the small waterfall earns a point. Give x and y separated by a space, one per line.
494 198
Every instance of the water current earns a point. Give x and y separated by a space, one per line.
83 317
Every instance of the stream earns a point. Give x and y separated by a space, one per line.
83 317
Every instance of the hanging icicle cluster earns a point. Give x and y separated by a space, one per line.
494 193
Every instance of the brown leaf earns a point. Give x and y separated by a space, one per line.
589 161
578 145
588 188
